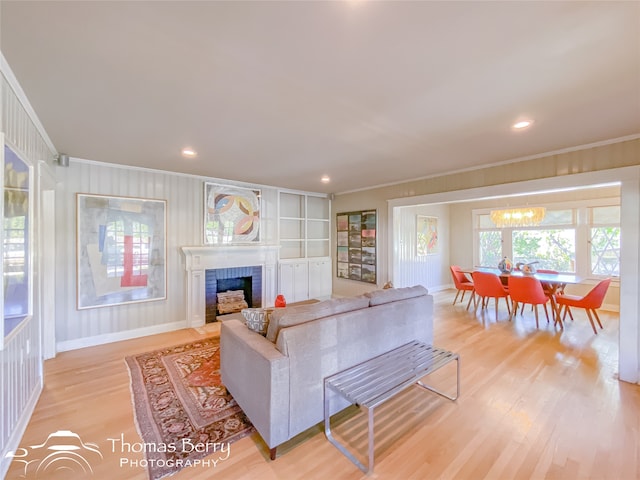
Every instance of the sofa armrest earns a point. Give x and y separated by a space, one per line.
257 376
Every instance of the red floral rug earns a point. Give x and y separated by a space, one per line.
182 410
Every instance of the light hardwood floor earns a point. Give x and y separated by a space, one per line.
534 404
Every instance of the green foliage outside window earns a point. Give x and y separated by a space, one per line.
490 248
552 249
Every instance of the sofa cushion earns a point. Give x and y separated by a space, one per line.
378 297
289 316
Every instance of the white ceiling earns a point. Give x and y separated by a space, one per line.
367 92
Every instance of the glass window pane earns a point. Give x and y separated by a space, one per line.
484 221
605 215
605 251
558 217
490 248
552 249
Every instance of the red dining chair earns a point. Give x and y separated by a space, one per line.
463 284
548 289
524 290
488 285
590 302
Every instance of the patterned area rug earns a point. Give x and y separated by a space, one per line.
183 412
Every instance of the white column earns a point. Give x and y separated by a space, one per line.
629 356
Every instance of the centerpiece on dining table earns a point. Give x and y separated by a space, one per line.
527 268
505 265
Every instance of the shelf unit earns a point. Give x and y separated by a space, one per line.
304 230
304 225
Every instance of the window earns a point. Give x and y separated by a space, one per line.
583 239
604 240
553 249
490 247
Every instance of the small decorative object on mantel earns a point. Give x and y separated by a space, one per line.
387 285
505 265
257 319
280 301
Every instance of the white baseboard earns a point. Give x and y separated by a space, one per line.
440 288
14 439
118 336
610 307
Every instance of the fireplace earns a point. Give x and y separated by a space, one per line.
198 260
218 280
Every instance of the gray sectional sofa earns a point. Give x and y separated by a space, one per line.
278 380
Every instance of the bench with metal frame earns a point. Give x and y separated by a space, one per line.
374 381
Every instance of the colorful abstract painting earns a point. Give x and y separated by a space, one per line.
232 215
121 250
427 235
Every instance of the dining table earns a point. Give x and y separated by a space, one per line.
553 283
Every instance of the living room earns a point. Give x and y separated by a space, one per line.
58 325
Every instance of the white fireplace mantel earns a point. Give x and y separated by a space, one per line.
199 259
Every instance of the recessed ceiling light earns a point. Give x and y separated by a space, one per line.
522 124
189 152
325 179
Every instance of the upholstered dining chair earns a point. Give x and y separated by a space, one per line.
462 284
590 302
524 290
559 291
488 285
548 290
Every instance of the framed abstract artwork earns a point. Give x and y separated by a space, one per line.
356 244
426 235
231 215
121 250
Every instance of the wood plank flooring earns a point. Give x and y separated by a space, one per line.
534 404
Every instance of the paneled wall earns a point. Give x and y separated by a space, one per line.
185 212
21 358
431 271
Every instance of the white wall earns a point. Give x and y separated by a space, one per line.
185 212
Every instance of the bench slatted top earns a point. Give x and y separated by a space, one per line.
370 383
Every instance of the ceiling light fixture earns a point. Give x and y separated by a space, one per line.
522 124
518 217
325 179
189 152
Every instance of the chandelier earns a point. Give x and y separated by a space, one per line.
518 217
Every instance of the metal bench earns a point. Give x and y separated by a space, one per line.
371 383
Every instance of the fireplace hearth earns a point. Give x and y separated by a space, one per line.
246 279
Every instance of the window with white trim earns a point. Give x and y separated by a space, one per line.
583 239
